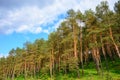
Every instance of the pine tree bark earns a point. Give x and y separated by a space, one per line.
51 67
96 55
51 63
103 51
116 47
13 73
81 53
75 42
25 72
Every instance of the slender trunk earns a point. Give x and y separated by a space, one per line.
100 63
7 73
86 55
75 49
97 61
109 51
51 67
59 64
59 58
25 72
13 73
75 42
96 55
34 71
65 68
103 50
78 71
10 72
51 63
81 54
116 47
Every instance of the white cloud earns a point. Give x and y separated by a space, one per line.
28 28
31 18
37 30
22 28
46 31
3 55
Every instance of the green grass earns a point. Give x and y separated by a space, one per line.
92 75
89 73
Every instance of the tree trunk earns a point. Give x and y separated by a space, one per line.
50 67
51 63
59 64
25 73
96 61
75 42
13 73
116 47
81 54
96 55
86 55
103 50
34 70
109 51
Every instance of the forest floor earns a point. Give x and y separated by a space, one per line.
90 73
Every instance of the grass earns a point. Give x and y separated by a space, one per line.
89 73
92 75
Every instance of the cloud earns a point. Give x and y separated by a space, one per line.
12 4
46 31
3 55
26 28
32 16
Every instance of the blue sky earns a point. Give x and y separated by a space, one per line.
28 20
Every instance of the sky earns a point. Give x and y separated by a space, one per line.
28 20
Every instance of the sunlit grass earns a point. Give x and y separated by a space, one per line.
89 74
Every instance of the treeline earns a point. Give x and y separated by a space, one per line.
78 39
